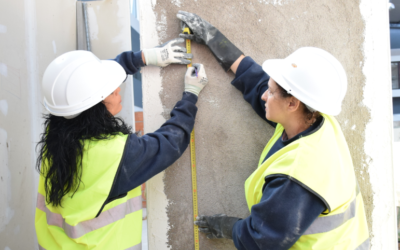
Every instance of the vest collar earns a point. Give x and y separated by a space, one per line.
311 130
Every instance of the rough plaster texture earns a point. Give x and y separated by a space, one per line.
230 136
32 34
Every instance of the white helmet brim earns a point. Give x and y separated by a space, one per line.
108 76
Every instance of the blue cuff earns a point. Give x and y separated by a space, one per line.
235 235
187 96
244 65
137 59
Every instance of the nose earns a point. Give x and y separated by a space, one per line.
117 90
264 97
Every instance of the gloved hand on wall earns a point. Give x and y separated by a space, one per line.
224 50
216 226
167 53
195 78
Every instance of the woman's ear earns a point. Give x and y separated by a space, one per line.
293 104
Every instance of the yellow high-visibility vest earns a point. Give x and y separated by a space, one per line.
321 163
77 224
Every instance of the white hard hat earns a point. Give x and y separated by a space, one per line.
78 80
313 76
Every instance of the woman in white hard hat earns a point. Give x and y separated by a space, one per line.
304 193
91 164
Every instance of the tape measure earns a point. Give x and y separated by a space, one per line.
186 30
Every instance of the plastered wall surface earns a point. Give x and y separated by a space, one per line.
32 34
230 136
396 164
378 147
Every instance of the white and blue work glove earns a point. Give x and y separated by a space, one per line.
195 78
167 53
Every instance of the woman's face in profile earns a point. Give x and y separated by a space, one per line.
113 102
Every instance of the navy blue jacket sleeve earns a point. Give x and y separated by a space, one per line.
252 81
130 61
146 156
284 213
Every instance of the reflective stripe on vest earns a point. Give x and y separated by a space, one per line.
321 163
105 218
329 223
363 246
137 247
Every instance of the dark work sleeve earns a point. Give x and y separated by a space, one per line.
252 81
284 213
130 61
146 156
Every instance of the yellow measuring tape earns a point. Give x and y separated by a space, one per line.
193 162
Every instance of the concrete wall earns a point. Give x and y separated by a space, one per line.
230 136
32 34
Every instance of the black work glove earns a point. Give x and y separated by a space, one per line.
224 50
216 226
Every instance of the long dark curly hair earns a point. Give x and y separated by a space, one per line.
61 148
